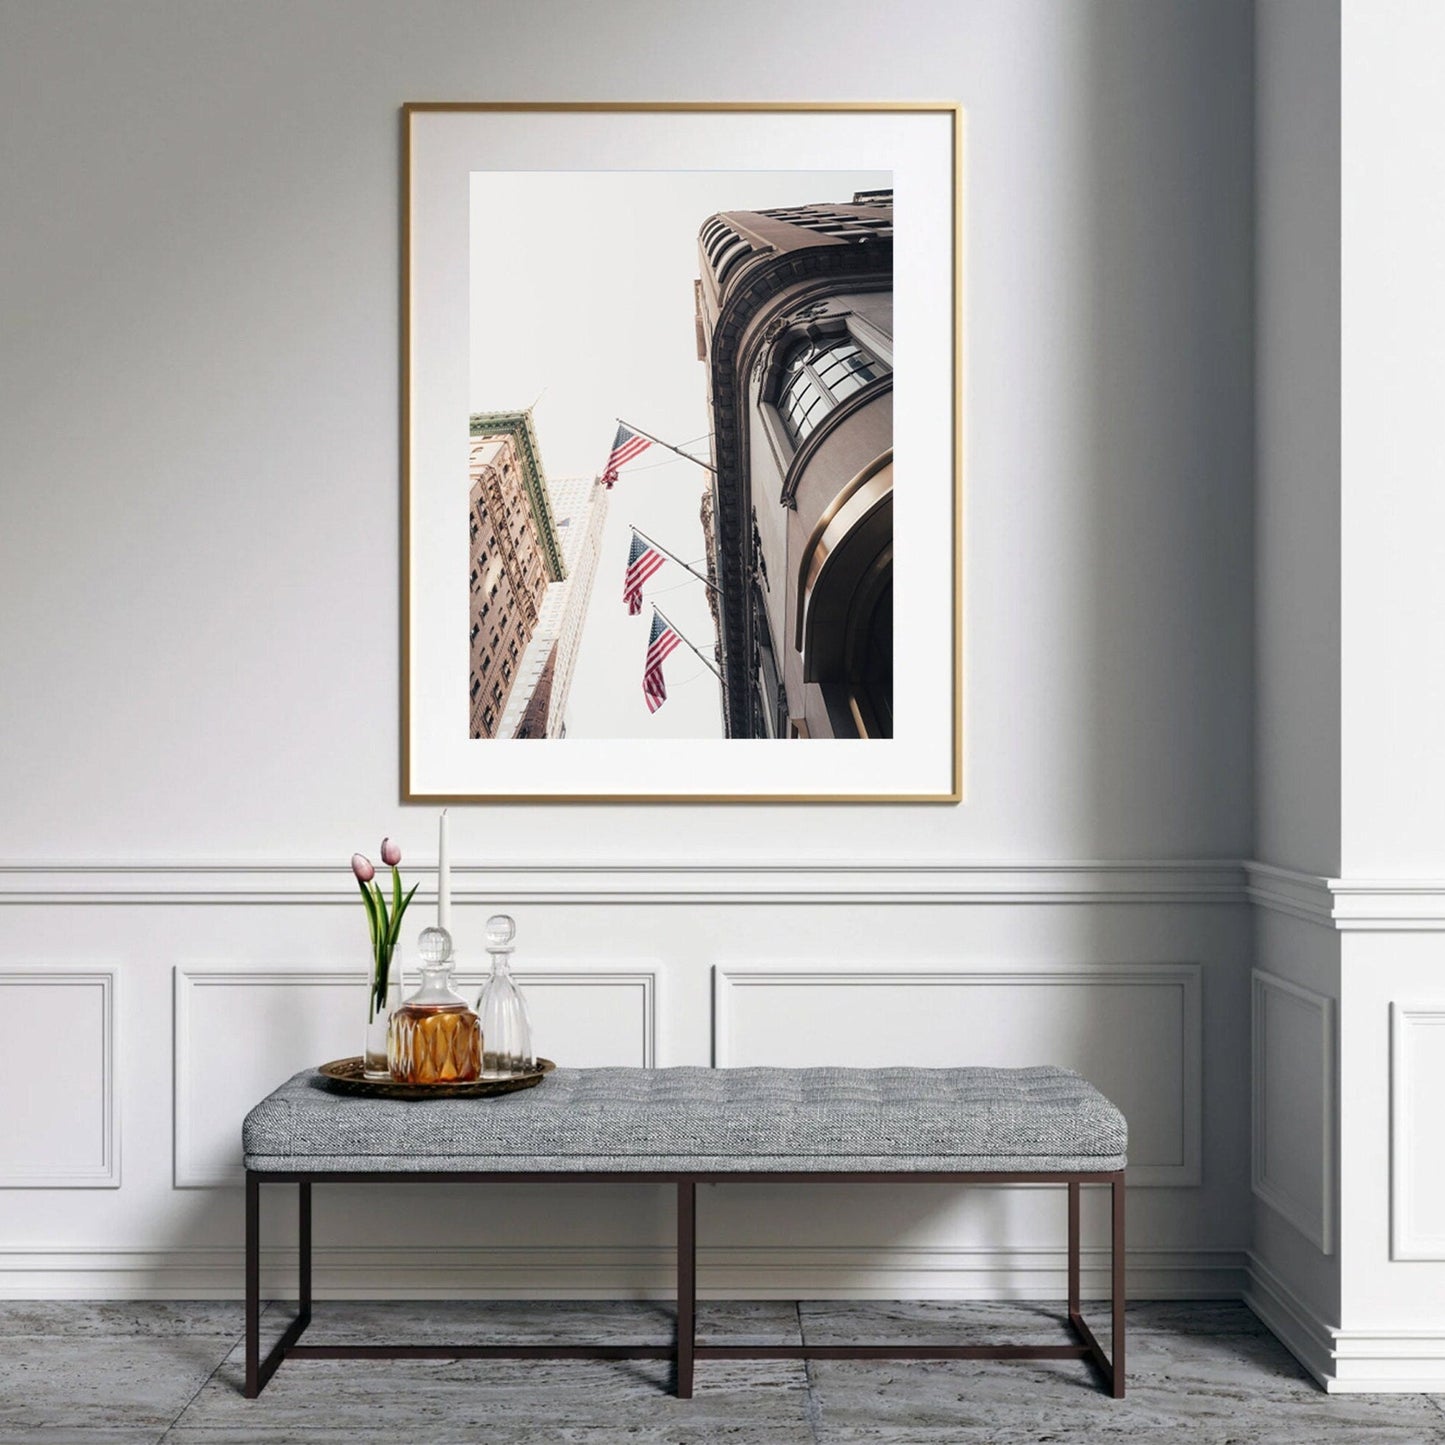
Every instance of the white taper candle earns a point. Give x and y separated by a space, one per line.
444 876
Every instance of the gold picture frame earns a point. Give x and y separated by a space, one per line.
445 142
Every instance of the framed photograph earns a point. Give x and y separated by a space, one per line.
659 362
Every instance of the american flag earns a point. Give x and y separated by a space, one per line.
627 445
642 562
661 643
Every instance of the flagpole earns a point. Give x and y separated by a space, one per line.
677 559
712 667
684 455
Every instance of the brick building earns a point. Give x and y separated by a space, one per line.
514 557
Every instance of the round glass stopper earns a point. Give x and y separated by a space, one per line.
434 945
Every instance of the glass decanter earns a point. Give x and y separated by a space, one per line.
506 1034
435 1038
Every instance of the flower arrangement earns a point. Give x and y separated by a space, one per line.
384 921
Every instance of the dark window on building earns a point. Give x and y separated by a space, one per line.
771 699
476 687
476 628
817 376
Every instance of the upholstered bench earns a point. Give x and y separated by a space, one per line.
694 1126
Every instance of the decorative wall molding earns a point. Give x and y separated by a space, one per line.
1209 881
1414 1141
594 975
609 1271
104 1173
189 1061
1342 903
1286 890
190 1172
1309 1205
1350 905
1187 1050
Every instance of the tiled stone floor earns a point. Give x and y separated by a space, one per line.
74 1373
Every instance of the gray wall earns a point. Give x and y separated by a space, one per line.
1297 502
200 412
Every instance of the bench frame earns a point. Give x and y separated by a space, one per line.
685 1351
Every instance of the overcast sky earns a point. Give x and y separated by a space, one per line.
582 307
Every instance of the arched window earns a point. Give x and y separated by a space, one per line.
817 376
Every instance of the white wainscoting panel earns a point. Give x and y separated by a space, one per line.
239 1032
1292 1151
588 1016
1417 1162
61 1114
1132 1029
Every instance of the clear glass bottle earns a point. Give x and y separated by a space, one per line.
506 1034
435 1038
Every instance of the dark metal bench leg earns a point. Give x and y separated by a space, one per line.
1073 1247
686 1287
259 1371
303 1241
1110 1370
253 1285
1116 1191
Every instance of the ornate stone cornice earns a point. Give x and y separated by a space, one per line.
518 426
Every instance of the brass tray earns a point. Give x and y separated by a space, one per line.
344 1076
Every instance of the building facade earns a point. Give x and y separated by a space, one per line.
515 556
581 507
795 327
537 707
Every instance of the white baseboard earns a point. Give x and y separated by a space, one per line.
1365 1362
1302 1332
617 1272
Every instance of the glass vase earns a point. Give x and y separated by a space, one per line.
378 1021
506 1033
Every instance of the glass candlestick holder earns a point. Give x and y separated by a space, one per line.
506 1033
435 1038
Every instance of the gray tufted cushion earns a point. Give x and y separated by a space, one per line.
705 1120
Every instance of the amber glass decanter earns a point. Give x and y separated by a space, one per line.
435 1038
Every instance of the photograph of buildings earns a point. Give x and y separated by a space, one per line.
707 358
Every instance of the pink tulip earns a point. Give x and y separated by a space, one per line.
390 853
361 866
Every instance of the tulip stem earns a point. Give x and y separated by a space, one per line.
385 926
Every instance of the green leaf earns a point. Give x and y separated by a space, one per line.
401 908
